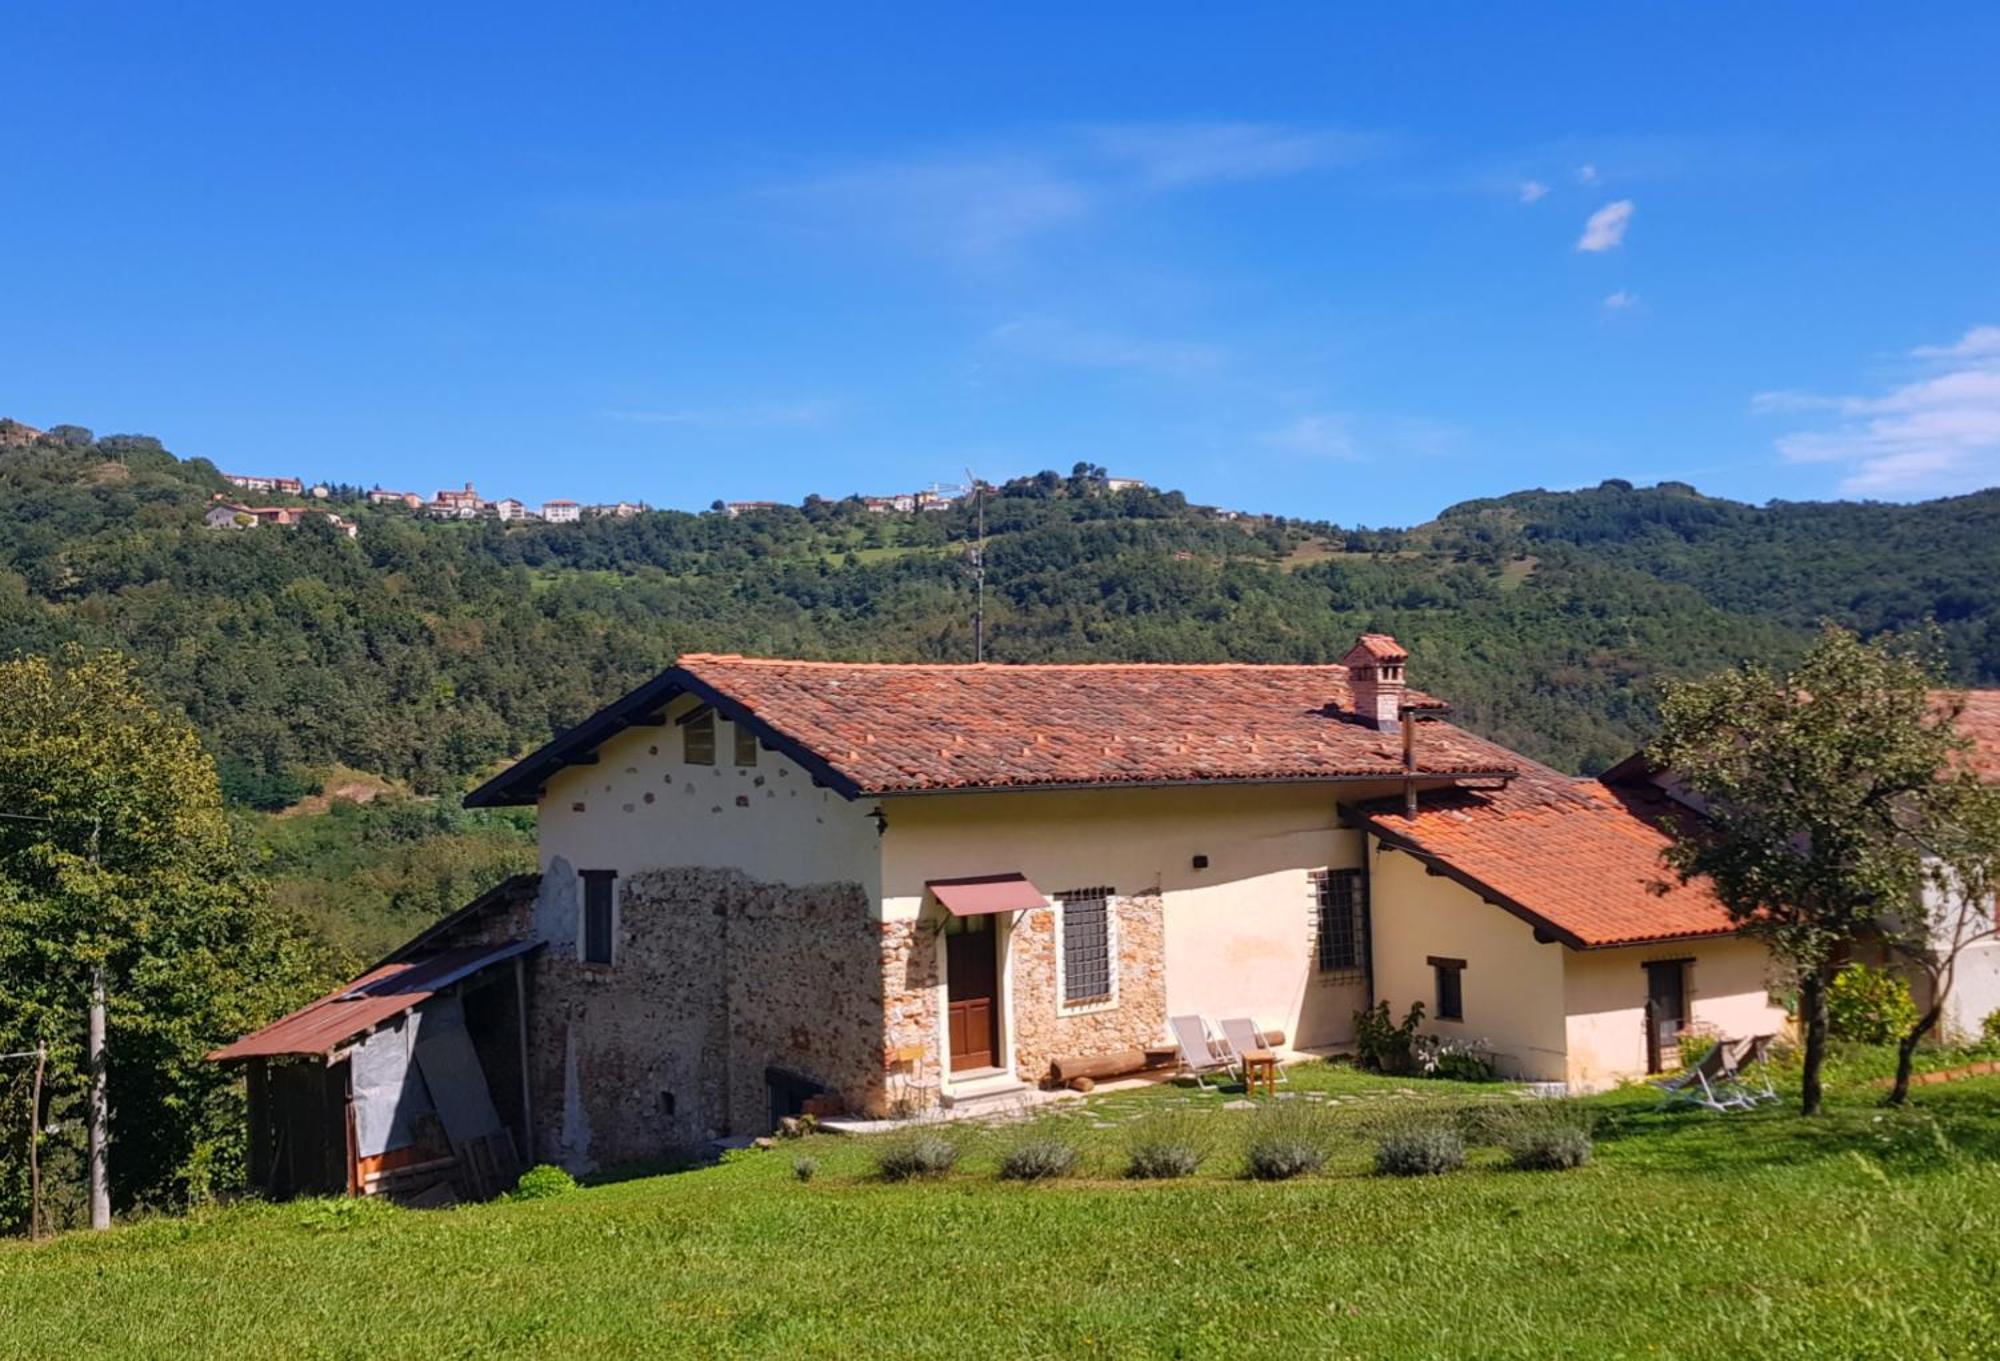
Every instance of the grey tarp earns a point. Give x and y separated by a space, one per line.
389 1092
451 1070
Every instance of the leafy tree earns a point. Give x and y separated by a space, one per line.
116 853
1814 782
1958 908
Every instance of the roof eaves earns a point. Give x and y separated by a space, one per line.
518 784
502 892
1545 930
1197 781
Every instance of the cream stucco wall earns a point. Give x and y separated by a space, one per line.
642 807
1551 1013
1512 986
1238 934
1604 994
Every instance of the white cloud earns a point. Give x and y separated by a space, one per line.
1177 155
1586 174
1059 342
1937 433
1978 343
1619 301
1532 190
1606 228
1319 436
975 205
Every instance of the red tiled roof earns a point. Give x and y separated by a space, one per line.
1979 720
383 993
1578 858
898 728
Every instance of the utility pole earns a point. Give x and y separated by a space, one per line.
978 570
99 1105
35 1143
100 1113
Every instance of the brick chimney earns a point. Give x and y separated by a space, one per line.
1375 680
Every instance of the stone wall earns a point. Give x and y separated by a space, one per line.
1137 1018
716 978
910 979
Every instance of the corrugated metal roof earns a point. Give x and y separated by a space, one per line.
381 994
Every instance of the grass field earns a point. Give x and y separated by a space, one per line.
1863 1233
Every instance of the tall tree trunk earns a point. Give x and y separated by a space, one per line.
1906 1052
1812 1002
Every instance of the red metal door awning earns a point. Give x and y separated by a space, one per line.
980 895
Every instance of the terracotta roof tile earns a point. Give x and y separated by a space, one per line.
1579 856
907 728
1380 646
1979 720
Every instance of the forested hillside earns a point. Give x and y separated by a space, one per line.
427 651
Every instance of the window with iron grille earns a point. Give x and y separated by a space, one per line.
598 916
1342 925
1085 962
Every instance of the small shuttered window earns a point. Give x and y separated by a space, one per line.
1450 974
698 737
599 916
746 744
1342 921
1086 946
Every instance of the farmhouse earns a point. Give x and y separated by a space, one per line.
766 882
229 515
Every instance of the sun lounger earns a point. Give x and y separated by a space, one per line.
1240 1033
1198 1053
1718 1082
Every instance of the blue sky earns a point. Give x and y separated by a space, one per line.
1314 260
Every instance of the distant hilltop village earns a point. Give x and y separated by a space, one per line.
225 513
468 504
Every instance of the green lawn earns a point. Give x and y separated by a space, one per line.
1862 1233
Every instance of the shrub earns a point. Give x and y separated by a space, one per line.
1383 1046
1989 1034
1459 1060
542 1181
804 1168
924 1154
1695 1046
1869 1006
1420 1148
1038 1158
1288 1139
1543 1136
1168 1143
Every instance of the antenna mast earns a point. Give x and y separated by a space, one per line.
978 570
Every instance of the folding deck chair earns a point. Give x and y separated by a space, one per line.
1718 1082
1199 1053
1242 1036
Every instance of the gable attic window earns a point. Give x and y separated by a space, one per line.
746 743
698 737
1450 976
594 943
1084 974
1341 921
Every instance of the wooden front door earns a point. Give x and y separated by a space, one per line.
1666 1011
972 991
